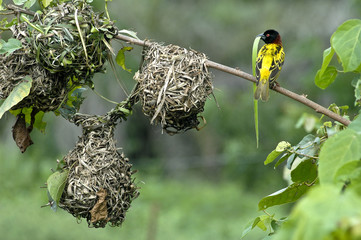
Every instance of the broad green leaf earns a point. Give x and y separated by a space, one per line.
281 147
17 94
338 150
356 125
250 225
19 2
306 141
46 3
327 56
286 195
321 80
282 159
349 171
321 213
263 222
350 175
39 123
29 3
1 7
324 80
56 183
120 58
306 171
10 46
290 160
347 43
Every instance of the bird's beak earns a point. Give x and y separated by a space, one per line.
262 36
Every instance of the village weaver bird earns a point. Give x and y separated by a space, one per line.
269 63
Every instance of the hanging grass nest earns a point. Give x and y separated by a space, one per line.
48 90
99 186
174 84
62 47
72 39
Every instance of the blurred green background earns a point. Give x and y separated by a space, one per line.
201 184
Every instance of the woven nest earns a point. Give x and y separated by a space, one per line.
53 54
76 42
48 90
174 84
99 187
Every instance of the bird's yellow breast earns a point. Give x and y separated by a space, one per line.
269 62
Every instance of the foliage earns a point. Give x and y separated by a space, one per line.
324 168
19 93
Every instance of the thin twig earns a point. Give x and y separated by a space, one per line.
300 98
19 9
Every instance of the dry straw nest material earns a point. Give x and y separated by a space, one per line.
48 90
72 39
61 48
99 186
174 84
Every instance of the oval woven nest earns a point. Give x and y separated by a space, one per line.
99 186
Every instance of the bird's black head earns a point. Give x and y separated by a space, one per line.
271 36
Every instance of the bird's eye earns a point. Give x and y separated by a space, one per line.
267 35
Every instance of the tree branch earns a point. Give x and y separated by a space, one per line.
300 98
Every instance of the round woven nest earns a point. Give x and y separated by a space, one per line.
62 47
48 90
76 42
99 186
174 84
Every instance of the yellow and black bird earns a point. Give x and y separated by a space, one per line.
269 63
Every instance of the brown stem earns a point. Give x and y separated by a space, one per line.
19 9
300 98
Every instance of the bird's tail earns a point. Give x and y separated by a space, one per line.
262 91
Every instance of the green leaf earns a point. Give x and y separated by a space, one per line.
321 214
1 7
357 85
120 58
255 102
327 56
17 94
129 33
75 99
282 159
324 80
286 195
347 44
29 3
46 3
263 222
249 227
56 184
338 150
10 46
39 124
281 147
306 171
19 2
349 171
356 125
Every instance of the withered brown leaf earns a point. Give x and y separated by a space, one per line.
21 134
100 212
